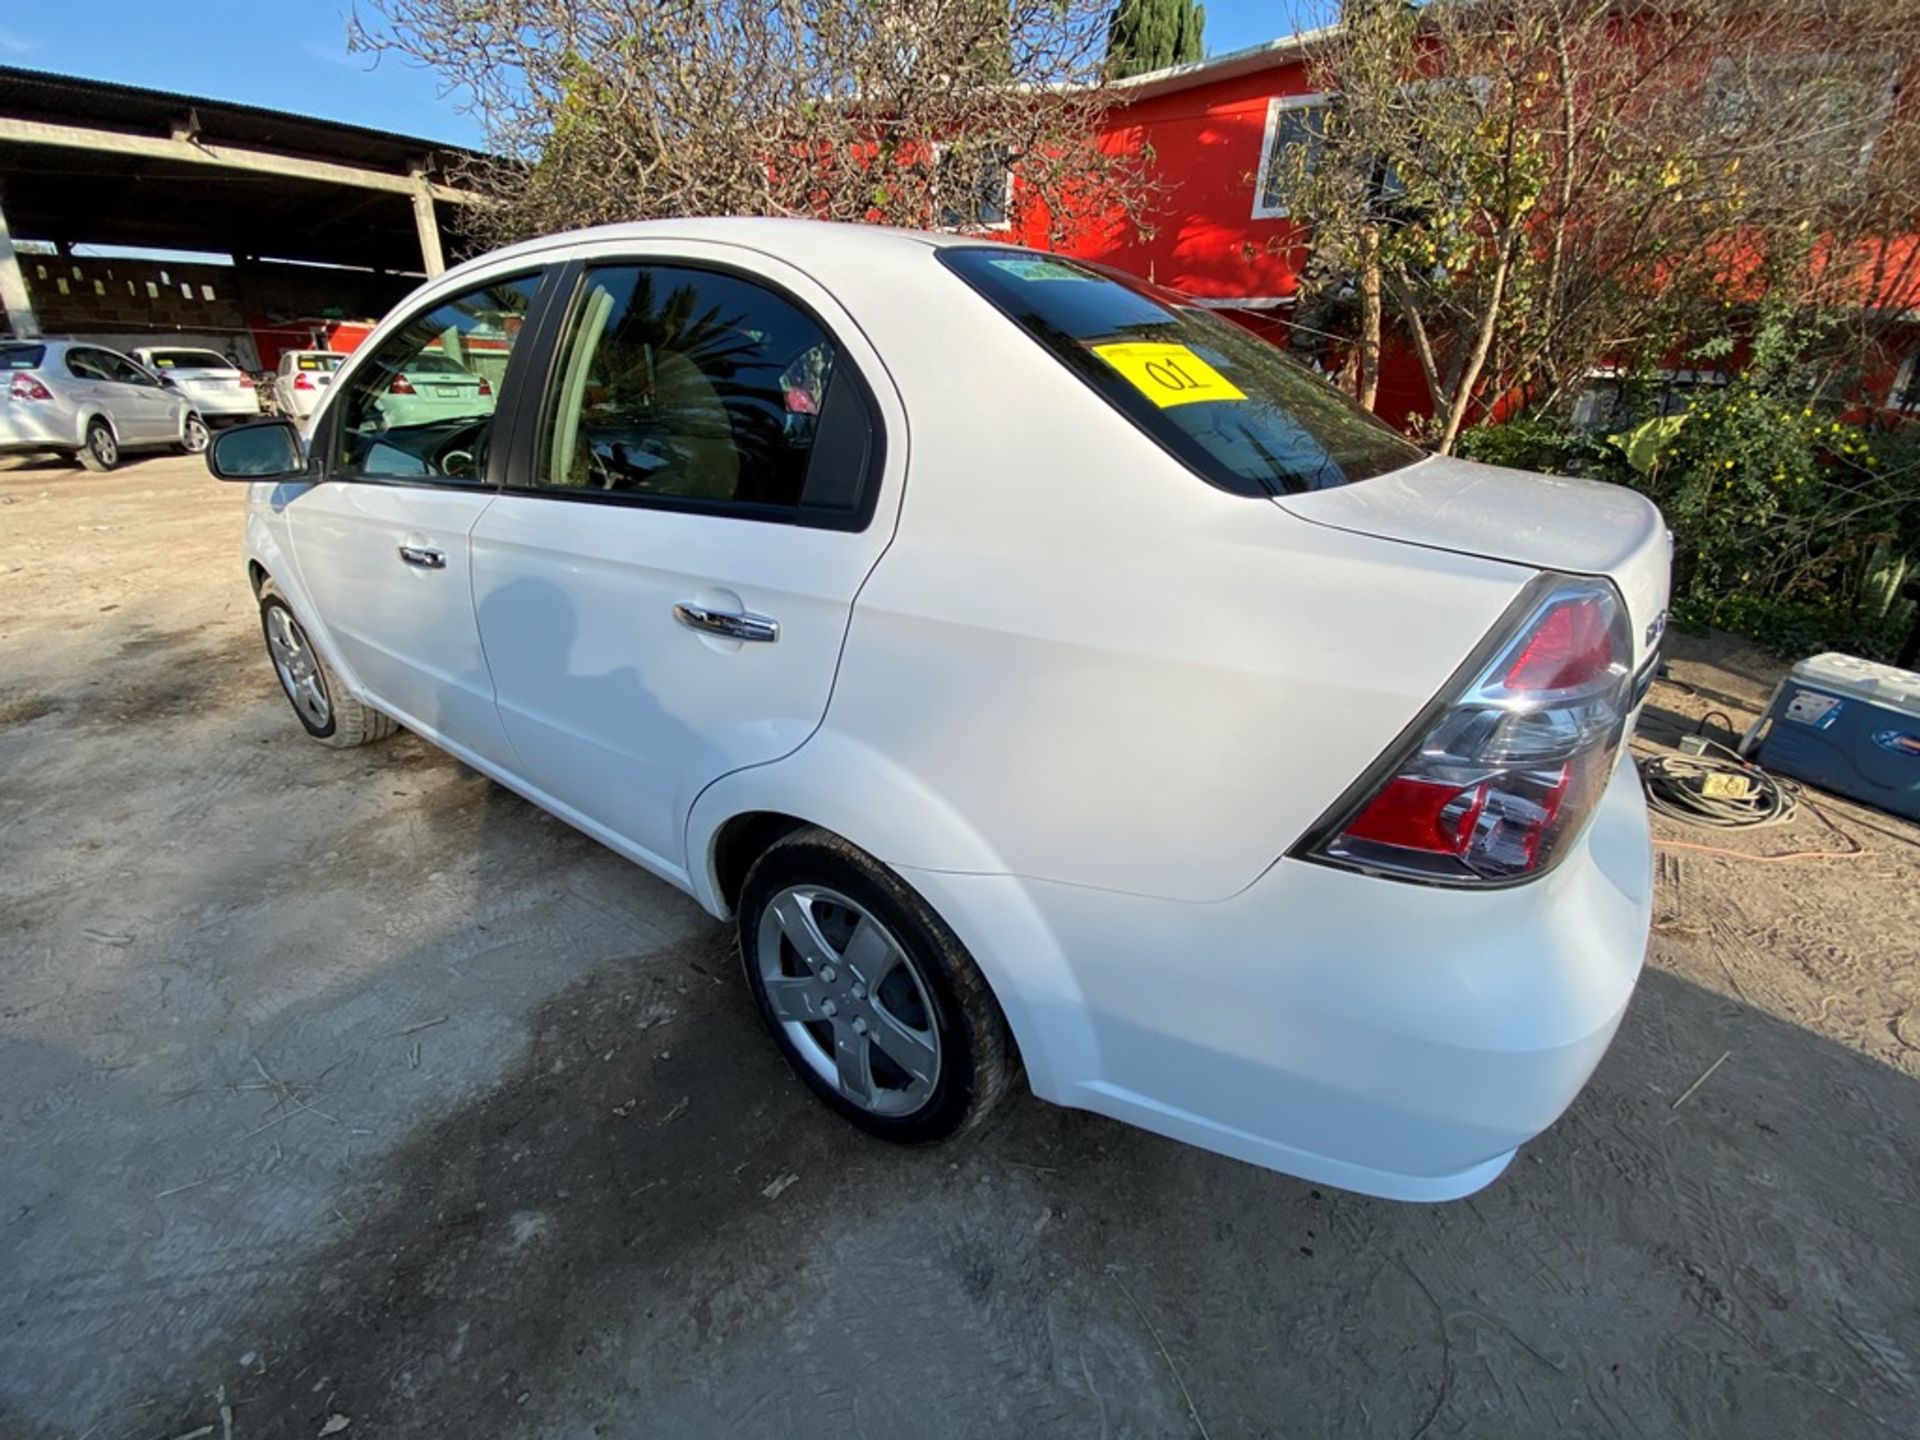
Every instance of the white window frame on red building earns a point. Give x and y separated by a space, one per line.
1905 394
1277 106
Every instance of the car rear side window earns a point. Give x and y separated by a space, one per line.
701 389
1230 406
22 357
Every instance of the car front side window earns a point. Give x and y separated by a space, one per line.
85 365
421 406
119 368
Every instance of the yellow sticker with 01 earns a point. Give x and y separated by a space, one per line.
1168 375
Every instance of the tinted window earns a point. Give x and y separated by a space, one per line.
188 360
87 365
1231 406
22 357
129 372
687 384
421 406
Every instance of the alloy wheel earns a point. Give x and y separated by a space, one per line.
105 448
298 667
195 435
850 999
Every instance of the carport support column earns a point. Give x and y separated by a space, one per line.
13 286
428 224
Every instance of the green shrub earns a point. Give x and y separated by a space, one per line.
1544 447
1790 526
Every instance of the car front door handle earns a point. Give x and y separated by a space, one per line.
733 625
424 557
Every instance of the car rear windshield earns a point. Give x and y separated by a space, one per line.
1229 405
431 364
22 357
189 360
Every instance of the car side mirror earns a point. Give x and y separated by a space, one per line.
166 381
266 450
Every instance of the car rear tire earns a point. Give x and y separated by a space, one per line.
871 997
194 436
101 452
326 711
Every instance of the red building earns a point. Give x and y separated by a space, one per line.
1220 231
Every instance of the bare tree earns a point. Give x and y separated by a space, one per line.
1535 186
908 112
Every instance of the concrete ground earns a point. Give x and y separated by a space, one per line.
345 1093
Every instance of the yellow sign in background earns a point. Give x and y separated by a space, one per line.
1168 375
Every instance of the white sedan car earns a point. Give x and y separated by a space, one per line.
1046 675
218 390
301 379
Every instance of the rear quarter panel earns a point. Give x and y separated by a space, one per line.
1106 672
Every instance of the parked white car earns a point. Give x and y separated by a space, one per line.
87 402
1045 674
217 389
301 379
433 387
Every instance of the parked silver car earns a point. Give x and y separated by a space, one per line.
219 391
88 402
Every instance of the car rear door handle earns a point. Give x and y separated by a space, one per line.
424 557
735 626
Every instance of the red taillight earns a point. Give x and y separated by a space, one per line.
304 381
27 387
246 382
1420 815
1510 766
400 386
486 388
1571 645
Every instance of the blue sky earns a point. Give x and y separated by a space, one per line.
292 54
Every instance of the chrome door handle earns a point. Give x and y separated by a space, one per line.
423 557
727 623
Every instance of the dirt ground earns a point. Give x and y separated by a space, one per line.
346 1084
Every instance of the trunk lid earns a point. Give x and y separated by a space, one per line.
1551 522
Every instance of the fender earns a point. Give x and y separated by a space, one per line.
265 527
87 416
865 796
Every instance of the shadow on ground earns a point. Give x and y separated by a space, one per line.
670 1239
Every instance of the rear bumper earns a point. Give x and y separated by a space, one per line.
24 427
221 413
1395 1039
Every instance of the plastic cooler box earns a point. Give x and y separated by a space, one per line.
1848 726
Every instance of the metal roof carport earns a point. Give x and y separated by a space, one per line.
83 161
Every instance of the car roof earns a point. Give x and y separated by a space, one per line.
799 241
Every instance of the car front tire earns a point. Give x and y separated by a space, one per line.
871 997
194 436
325 710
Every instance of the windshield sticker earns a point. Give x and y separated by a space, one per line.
1028 267
1168 375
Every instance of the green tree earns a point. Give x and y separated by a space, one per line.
1532 189
899 112
1148 35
